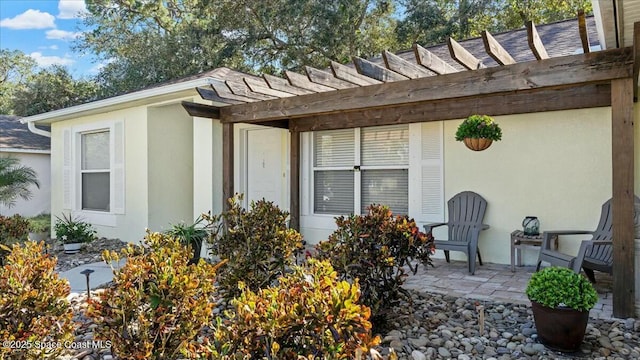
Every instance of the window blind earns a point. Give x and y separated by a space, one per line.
386 187
385 145
333 148
333 192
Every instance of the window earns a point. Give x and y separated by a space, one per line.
95 171
355 168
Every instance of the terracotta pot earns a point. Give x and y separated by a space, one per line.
560 329
477 144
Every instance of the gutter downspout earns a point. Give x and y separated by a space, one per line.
32 127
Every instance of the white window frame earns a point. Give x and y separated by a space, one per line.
421 212
357 174
96 217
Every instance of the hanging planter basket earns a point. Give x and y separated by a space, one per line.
477 144
478 132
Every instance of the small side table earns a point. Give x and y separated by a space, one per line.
520 241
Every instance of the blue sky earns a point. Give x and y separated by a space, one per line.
45 30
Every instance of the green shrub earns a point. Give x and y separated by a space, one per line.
561 287
373 248
257 244
40 223
157 303
33 304
13 229
308 315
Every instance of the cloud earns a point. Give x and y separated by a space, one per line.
45 61
71 9
57 34
30 19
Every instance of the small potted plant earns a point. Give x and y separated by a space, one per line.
191 235
73 233
561 300
478 132
39 227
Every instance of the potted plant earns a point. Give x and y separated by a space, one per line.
191 235
39 227
561 300
73 233
478 132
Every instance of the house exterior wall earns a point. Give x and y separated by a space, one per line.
130 225
553 165
40 201
170 166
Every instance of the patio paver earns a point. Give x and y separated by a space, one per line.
494 282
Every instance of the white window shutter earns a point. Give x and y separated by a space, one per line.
427 172
118 175
67 170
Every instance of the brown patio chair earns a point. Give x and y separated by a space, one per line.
466 213
594 254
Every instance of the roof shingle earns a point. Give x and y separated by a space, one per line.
15 135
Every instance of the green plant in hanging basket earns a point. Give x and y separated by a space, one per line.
479 127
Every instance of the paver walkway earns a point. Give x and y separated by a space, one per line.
494 282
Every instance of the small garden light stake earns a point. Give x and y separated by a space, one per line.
87 273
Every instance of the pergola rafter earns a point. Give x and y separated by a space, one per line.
398 90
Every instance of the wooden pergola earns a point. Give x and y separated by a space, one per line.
430 89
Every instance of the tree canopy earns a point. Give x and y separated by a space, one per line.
26 90
143 42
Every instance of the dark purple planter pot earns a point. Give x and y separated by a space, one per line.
560 329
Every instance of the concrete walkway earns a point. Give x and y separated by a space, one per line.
102 274
494 282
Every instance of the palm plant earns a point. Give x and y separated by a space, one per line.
15 180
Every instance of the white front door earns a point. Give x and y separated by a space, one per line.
266 174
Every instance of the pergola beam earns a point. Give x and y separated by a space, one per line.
463 56
209 94
567 71
495 50
327 79
535 43
395 63
261 86
521 102
584 34
201 110
281 84
367 68
303 81
349 74
240 88
431 61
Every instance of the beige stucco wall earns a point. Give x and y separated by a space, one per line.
555 165
170 166
130 225
40 201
